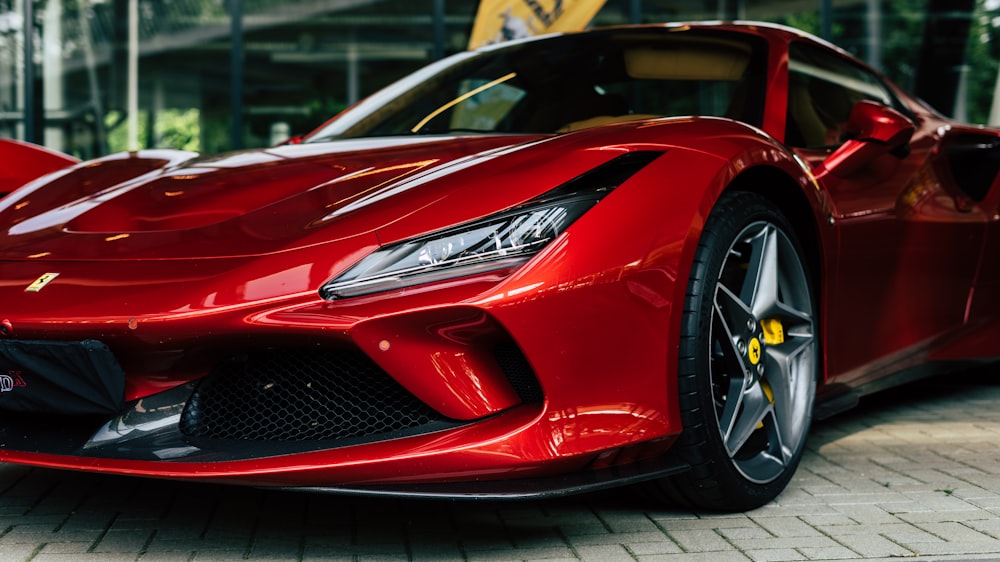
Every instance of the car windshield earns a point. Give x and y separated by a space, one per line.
569 82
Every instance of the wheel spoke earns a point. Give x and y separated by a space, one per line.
733 315
788 368
734 311
753 407
760 289
793 317
729 416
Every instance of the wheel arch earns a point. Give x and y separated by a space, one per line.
784 192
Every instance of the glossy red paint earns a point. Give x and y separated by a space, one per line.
181 263
875 130
32 161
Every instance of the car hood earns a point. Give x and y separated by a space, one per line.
161 204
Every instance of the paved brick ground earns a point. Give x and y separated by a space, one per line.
912 473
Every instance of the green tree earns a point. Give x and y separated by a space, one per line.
982 60
172 128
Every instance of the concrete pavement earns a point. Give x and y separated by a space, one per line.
910 473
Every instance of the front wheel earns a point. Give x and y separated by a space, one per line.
748 359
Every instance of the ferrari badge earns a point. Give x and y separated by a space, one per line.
41 282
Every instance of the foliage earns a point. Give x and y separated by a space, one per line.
902 32
173 128
982 63
176 128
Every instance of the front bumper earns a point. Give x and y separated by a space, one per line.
316 411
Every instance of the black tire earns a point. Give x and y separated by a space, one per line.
748 359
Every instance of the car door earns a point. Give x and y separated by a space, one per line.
908 243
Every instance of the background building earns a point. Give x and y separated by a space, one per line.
213 75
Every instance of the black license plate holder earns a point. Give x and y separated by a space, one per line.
60 378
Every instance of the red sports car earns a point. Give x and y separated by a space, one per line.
638 254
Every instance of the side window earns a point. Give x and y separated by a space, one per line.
822 89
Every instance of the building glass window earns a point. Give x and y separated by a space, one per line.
306 60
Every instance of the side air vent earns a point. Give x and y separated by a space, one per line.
515 366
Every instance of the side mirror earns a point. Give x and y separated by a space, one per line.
874 130
297 139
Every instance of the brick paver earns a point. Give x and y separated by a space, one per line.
911 473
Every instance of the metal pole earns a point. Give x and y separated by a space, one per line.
995 107
438 29
730 9
30 110
53 96
961 110
353 72
826 19
874 58
133 75
84 17
236 72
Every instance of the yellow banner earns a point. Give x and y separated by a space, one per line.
503 20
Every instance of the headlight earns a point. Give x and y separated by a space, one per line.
498 242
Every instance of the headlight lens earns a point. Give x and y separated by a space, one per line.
498 242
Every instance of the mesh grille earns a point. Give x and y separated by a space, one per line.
515 366
302 395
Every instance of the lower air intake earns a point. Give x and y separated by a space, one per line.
304 395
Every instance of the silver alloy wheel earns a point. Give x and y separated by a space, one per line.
763 352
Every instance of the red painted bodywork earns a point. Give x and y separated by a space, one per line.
24 162
175 260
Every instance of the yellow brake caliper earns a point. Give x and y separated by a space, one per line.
774 334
